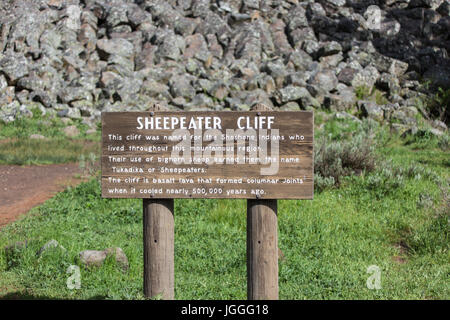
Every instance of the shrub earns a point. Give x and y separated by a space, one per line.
334 160
384 181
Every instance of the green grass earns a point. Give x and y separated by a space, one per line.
26 151
16 147
395 214
395 217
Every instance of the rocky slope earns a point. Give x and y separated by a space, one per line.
77 58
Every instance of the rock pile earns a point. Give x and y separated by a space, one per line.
76 58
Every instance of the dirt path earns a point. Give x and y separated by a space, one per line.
24 187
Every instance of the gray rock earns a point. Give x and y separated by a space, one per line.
154 89
296 18
73 13
200 8
117 15
180 86
400 116
170 45
386 64
315 9
122 65
71 131
433 4
14 66
330 48
196 47
326 80
277 70
116 46
69 94
292 93
337 3
84 106
52 244
435 132
305 38
390 28
3 83
444 8
311 47
92 258
345 100
371 110
145 58
119 256
212 23
137 16
199 102
251 4
253 97
389 83
186 26
367 77
301 60
214 47
290 106
219 90
280 40
248 44
7 95
437 124
11 111
346 75
332 61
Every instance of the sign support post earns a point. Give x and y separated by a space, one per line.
158 248
262 245
158 222
262 250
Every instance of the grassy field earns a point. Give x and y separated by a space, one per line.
16 147
395 217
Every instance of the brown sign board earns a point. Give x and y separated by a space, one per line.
249 155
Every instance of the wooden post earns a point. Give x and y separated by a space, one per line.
262 245
158 245
158 248
262 250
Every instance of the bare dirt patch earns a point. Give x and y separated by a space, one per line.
24 187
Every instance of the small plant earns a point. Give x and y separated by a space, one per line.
88 164
380 97
384 182
363 92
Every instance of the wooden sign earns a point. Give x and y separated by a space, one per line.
251 155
